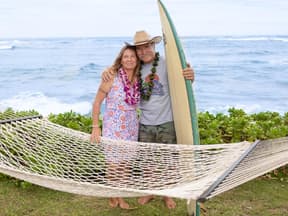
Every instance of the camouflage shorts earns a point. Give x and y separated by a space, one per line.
164 133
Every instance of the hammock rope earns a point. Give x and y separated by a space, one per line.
36 150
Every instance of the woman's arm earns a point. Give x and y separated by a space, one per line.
102 92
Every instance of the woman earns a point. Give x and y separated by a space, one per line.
120 120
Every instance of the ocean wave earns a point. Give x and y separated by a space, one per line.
12 44
255 52
255 62
279 61
6 47
43 104
46 105
281 39
61 43
36 43
90 68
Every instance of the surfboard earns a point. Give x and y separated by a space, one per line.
181 91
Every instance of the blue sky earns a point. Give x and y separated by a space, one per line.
82 18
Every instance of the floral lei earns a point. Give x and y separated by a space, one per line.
146 93
132 92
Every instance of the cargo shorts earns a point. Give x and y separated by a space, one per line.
163 133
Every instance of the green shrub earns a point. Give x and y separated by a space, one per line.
236 126
72 120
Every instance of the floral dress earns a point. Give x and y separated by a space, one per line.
120 122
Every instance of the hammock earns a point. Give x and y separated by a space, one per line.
35 150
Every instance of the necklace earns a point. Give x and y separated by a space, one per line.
146 88
132 91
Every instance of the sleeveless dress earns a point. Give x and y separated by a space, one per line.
120 122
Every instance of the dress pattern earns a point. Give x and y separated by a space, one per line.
120 119
120 122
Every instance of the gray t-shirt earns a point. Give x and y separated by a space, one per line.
157 110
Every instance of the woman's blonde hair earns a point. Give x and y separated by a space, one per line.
117 63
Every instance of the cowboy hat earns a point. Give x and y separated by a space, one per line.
142 37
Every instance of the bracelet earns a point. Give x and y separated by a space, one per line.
95 126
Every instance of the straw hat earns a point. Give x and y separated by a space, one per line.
142 37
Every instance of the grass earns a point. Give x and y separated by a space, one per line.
260 197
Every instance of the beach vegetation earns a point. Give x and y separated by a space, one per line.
265 196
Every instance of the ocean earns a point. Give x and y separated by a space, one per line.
56 75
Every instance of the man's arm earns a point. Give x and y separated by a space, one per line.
108 74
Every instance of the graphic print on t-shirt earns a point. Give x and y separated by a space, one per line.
157 88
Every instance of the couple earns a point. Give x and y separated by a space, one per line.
137 79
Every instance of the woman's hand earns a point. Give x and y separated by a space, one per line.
95 135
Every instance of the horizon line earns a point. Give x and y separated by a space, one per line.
183 36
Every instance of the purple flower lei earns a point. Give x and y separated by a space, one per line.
132 92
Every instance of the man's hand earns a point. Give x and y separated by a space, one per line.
108 74
188 73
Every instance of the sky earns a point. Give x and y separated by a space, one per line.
92 18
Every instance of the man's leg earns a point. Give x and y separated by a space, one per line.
166 134
146 134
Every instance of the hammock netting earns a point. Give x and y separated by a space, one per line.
36 150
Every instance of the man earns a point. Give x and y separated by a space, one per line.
156 121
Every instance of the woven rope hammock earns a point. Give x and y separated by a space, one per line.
35 150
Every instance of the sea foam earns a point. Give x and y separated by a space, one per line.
43 104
